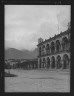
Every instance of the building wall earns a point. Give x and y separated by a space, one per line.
58 52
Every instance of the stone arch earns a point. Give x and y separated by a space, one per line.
44 62
58 62
52 62
65 61
48 62
52 47
65 43
58 46
47 49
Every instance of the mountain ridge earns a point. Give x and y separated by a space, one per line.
13 53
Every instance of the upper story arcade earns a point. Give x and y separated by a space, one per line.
57 44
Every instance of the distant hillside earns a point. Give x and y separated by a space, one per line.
20 54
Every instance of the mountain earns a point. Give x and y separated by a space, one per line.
13 53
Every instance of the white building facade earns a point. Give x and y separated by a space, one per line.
54 53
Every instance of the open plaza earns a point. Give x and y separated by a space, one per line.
38 81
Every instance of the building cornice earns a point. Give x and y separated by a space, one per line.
55 37
54 53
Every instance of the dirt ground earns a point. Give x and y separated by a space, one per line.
38 81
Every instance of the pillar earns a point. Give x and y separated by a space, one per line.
46 66
50 49
41 64
55 49
69 63
55 64
61 47
62 64
50 64
38 63
44 50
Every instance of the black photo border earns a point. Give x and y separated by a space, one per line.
31 2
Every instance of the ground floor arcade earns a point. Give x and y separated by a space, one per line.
29 64
57 61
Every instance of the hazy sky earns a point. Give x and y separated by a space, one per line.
24 24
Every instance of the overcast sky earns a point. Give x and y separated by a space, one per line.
24 24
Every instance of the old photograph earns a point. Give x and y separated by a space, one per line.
37 48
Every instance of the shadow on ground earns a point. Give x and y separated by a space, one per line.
9 75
